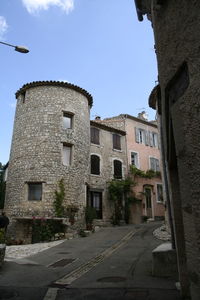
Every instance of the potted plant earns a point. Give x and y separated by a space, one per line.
90 215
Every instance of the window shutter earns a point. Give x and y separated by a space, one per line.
151 139
152 165
95 165
94 135
137 138
157 165
116 142
146 138
117 169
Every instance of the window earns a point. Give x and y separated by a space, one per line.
94 135
140 136
155 139
35 191
116 142
159 193
154 164
134 159
66 154
117 169
67 120
95 165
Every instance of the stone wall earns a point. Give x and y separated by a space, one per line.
36 151
107 155
176 29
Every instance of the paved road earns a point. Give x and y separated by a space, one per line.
114 263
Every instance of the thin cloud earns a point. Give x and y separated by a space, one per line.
3 27
34 6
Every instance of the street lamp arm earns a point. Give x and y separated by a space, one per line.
21 49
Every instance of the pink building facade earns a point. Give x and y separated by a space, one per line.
143 154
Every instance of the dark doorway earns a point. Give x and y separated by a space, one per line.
96 202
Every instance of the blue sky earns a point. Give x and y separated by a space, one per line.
97 45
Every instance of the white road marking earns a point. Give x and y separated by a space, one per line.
77 273
51 294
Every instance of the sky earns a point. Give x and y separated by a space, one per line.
98 45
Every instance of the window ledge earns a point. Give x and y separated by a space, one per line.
117 150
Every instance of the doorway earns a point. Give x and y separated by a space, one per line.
95 200
148 201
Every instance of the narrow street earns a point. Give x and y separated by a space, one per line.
114 263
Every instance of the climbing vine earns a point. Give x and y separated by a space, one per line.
121 194
59 198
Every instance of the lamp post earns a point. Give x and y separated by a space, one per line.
17 48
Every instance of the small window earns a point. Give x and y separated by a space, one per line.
140 136
94 135
154 164
117 169
66 154
67 120
116 142
35 191
160 193
95 165
134 159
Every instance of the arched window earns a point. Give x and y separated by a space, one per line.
95 164
117 169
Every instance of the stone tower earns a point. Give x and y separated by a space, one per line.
51 141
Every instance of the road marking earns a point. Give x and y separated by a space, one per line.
77 273
51 294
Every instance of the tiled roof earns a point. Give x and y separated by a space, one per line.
55 83
101 125
127 116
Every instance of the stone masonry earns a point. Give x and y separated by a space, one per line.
36 151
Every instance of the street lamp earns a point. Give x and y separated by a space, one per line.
17 48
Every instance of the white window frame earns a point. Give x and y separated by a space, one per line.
138 161
150 163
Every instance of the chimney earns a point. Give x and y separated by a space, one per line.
97 118
143 116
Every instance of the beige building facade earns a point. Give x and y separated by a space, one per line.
142 144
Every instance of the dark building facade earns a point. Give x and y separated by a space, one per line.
177 99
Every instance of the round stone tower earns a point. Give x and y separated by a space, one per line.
51 141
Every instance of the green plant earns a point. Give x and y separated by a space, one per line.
90 215
59 198
120 190
45 230
71 211
148 174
